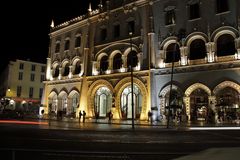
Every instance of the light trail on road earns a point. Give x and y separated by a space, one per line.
23 122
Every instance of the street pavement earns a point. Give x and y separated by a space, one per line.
61 139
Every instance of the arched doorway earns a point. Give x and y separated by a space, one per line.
52 103
102 101
228 103
126 102
199 105
73 103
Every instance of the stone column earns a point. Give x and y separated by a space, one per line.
186 101
161 63
237 45
70 71
60 73
151 51
48 71
184 56
210 47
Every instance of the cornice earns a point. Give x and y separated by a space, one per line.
198 68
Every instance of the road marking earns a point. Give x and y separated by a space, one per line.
214 128
23 122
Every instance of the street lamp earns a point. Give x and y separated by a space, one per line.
171 84
130 34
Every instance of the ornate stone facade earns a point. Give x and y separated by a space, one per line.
93 54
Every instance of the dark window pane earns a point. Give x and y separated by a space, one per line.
197 49
116 31
57 49
172 53
194 11
225 45
131 27
78 41
132 57
170 17
103 34
117 61
222 6
67 44
104 63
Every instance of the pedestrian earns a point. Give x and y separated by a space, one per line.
149 116
80 116
110 115
84 115
97 116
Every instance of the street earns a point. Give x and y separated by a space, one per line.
107 141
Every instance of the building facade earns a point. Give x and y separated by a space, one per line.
22 83
90 60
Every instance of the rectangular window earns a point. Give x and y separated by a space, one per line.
170 17
40 92
222 6
42 78
32 77
78 41
194 11
43 68
116 31
20 75
31 92
131 27
21 66
33 67
19 91
103 34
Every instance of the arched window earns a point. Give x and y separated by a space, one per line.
117 61
66 70
225 45
104 63
172 53
132 57
56 72
197 49
77 68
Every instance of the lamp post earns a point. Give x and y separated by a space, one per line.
130 34
171 84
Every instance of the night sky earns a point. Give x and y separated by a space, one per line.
26 25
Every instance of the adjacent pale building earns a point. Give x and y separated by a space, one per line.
22 83
90 57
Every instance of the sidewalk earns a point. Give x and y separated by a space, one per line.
104 124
